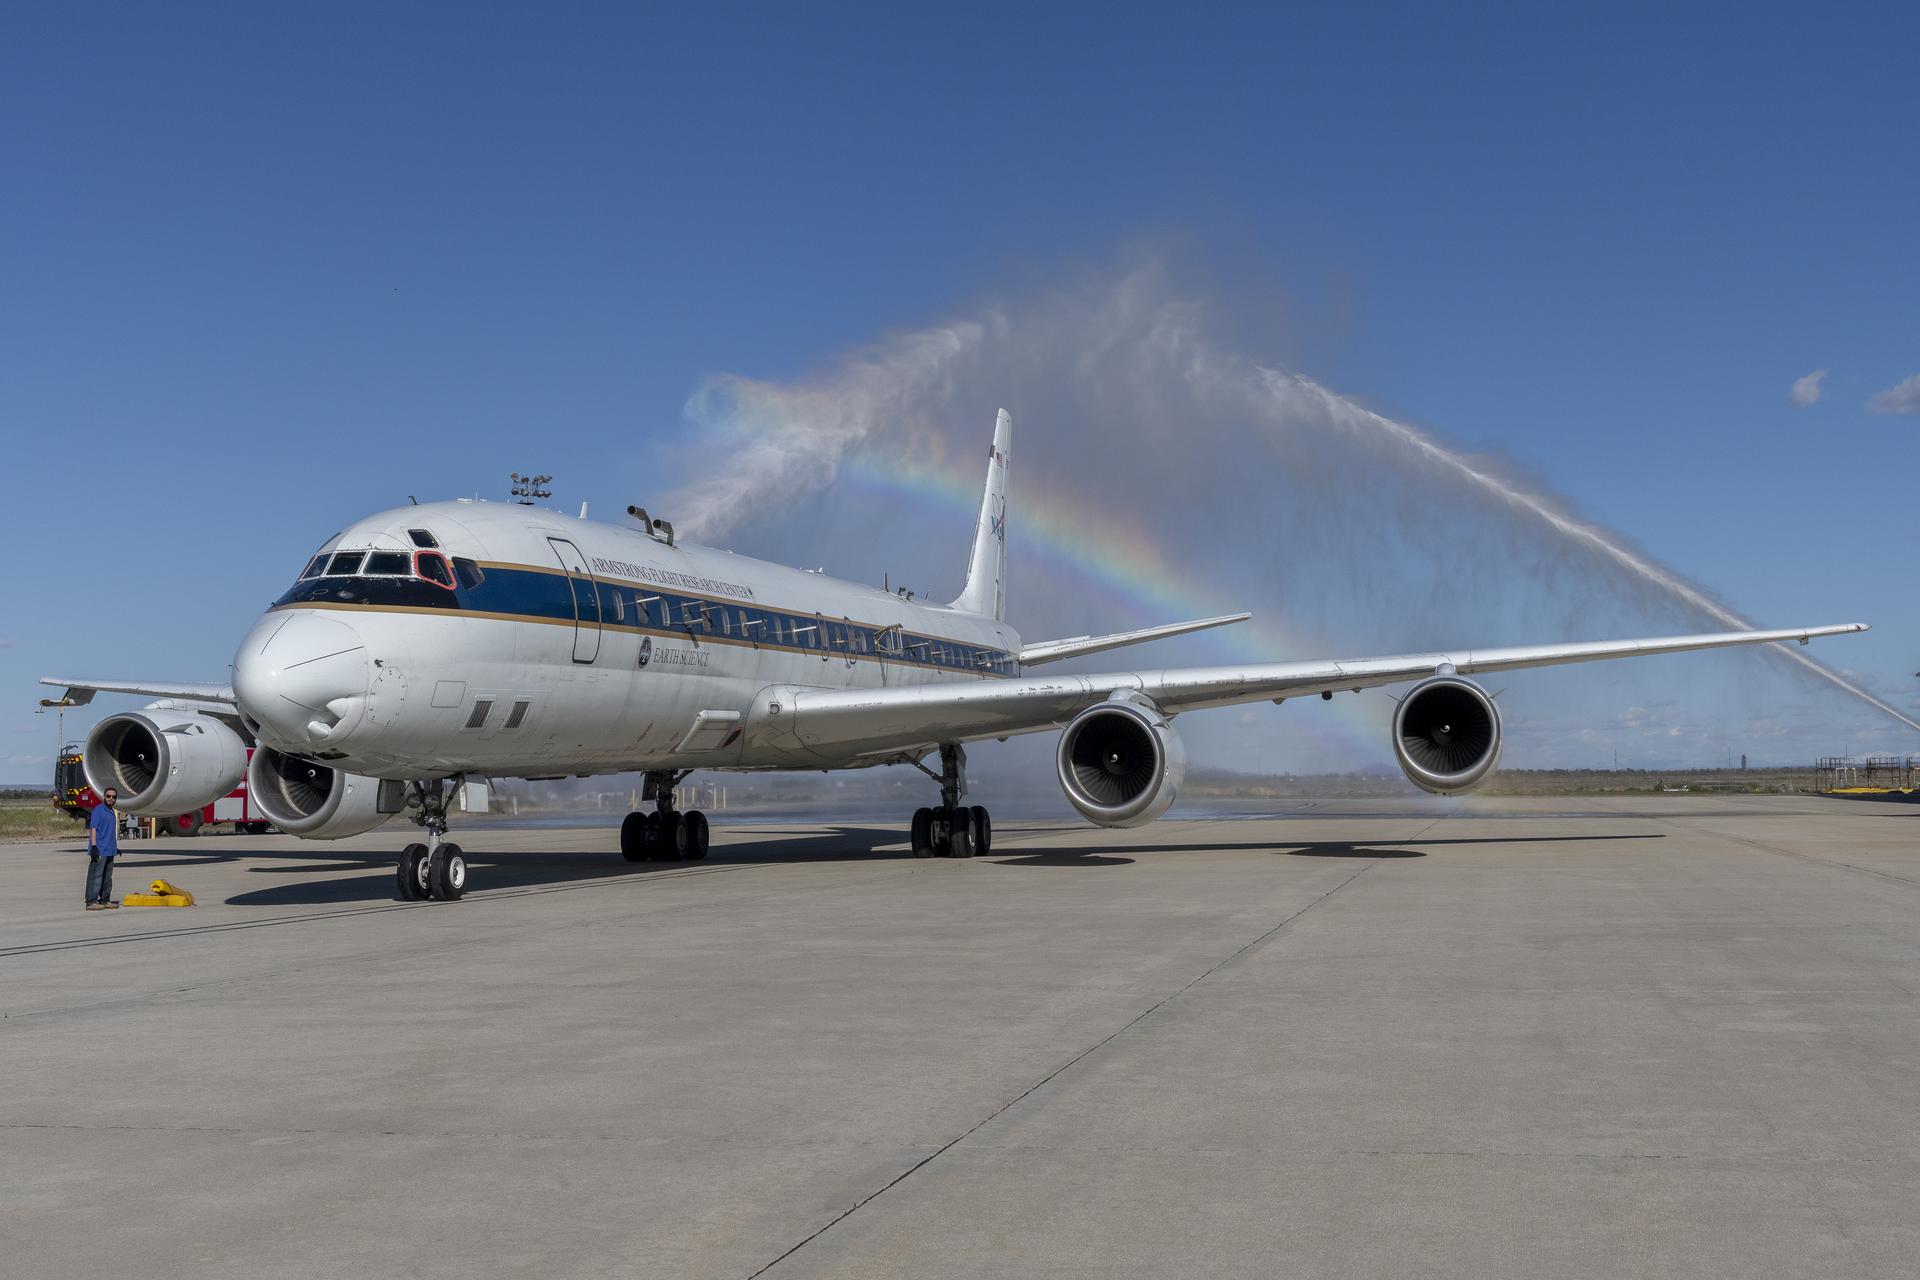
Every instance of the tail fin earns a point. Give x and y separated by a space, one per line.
986 589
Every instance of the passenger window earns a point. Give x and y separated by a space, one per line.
421 538
387 562
345 564
619 607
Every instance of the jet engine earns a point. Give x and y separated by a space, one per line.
1121 763
313 801
1446 735
164 759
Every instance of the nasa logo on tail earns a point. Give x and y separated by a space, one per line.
997 525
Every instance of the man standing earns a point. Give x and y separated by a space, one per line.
103 845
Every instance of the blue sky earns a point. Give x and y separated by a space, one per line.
262 268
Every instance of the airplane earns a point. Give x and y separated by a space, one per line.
425 650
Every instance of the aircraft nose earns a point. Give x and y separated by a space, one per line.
303 677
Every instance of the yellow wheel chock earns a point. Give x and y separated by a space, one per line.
165 894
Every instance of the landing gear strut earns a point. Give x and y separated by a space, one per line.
436 869
666 834
951 830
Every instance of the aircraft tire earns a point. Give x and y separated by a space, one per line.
636 839
982 831
184 824
960 833
672 843
921 836
696 835
447 872
411 875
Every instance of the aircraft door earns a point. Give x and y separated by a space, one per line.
586 600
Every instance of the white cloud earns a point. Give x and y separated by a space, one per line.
1806 391
1904 398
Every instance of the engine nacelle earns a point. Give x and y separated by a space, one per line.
311 800
1446 735
164 759
1121 763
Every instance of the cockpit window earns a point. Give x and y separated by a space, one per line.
433 566
422 538
470 574
385 562
345 564
315 567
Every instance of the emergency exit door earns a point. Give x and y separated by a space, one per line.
586 600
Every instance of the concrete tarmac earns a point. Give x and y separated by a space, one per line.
1649 1036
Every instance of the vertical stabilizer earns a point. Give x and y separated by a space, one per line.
986 589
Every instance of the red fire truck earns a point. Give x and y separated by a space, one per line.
72 795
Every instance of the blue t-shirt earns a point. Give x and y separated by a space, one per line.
105 825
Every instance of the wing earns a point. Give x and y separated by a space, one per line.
902 721
1054 650
80 692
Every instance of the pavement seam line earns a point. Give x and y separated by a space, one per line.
485 896
190 931
1061 1070
1764 847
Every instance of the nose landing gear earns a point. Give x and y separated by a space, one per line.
438 868
951 829
666 834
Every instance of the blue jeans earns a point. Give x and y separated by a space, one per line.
99 878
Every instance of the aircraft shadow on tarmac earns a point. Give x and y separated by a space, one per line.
503 869
494 870
1083 855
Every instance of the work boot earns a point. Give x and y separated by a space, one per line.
96 906
111 906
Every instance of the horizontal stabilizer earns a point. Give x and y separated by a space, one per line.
80 692
1054 650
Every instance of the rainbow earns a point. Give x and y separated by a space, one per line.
1082 544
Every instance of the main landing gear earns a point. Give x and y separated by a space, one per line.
951 829
666 834
436 869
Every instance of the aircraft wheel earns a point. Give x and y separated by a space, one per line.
922 833
412 875
982 831
696 835
447 872
960 833
635 837
671 842
184 824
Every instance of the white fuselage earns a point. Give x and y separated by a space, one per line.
563 646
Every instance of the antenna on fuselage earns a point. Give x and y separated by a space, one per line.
659 530
527 488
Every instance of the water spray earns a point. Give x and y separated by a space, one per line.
1288 389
